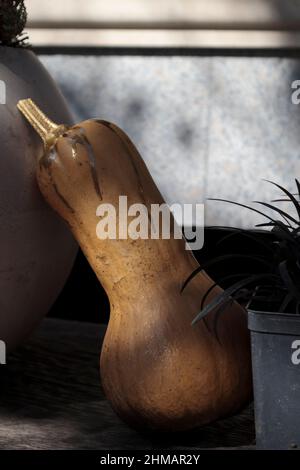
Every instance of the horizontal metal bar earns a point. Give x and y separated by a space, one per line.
182 14
164 38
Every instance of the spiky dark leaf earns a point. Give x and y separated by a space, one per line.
279 211
221 258
226 294
218 313
289 195
298 186
285 303
243 205
292 284
250 234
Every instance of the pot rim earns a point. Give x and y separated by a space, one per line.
274 323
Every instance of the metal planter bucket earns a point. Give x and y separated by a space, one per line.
275 344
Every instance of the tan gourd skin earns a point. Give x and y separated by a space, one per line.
157 370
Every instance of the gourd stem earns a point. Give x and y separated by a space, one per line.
47 129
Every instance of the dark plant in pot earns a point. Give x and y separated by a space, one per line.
270 290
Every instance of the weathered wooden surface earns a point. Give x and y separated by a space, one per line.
51 398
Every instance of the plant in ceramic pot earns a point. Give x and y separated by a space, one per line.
37 250
272 293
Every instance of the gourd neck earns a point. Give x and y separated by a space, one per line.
47 129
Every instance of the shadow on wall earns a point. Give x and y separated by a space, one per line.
207 126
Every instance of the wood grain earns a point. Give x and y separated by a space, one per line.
51 398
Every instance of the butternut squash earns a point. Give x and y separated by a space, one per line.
158 371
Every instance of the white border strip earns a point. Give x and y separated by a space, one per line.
209 14
163 38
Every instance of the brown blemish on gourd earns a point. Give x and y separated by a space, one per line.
132 161
65 202
91 157
73 143
140 186
46 161
103 259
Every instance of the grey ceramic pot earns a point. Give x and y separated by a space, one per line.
36 248
275 344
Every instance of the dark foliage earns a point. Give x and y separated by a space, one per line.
274 284
13 19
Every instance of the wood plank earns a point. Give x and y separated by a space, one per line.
167 23
51 398
164 38
213 14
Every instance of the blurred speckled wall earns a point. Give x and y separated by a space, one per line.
206 126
